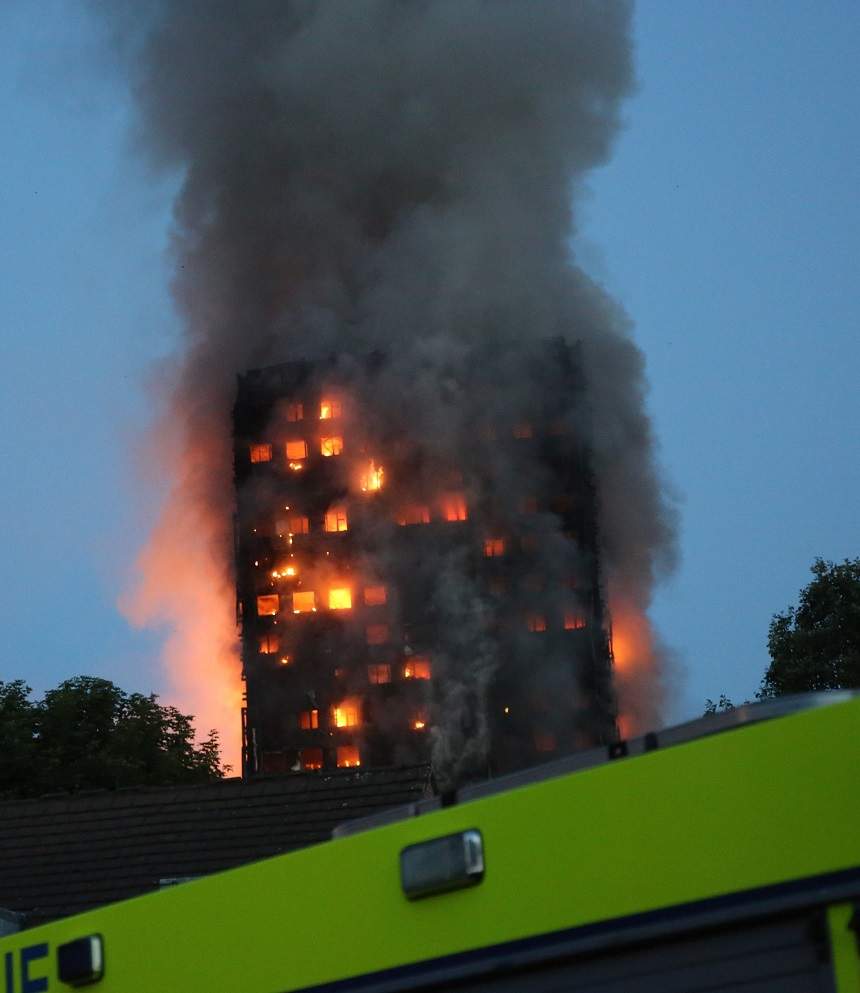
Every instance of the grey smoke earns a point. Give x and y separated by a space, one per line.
397 175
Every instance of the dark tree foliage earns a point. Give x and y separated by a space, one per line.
816 645
89 734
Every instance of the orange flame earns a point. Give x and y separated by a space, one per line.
182 587
371 478
636 669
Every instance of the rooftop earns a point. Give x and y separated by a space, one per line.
64 854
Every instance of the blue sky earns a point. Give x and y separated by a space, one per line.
727 224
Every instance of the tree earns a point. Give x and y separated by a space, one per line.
816 645
89 734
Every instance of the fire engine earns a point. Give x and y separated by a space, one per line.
719 855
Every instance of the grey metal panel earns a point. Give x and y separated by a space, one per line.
775 957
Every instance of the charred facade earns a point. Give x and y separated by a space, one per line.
414 587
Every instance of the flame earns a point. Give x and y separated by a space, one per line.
340 598
371 478
347 713
296 466
636 667
181 587
418 724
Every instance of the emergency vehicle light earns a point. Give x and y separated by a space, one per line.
81 961
448 863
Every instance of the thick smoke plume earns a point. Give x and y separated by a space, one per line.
398 175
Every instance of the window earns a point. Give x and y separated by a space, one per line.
311 758
298 524
332 445
309 720
335 519
377 634
348 757
573 621
416 513
371 478
330 408
345 715
536 622
261 453
454 507
374 596
419 722
528 505
523 430
295 412
544 741
417 668
340 598
304 601
379 674
494 547
268 644
297 449
267 605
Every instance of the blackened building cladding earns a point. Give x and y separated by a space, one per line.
384 582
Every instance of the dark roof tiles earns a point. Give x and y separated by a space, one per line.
62 854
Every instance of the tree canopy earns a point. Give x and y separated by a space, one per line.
816 645
89 734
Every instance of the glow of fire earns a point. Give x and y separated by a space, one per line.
636 666
296 466
182 588
371 479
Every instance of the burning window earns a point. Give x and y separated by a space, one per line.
379 674
536 622
371 478
346 714
335 519
494 547
348 757
330 408
304 601
419 722
295 412
417 668
454 507
311 758
573 621
544 741
298 524
297 449
285 572
375 596
268 644
523 430
331 445
261 453
416 513
340 598
309 720
376 634
267 605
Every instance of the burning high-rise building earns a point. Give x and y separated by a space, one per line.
402 595
399 180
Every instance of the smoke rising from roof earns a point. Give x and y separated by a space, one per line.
397 175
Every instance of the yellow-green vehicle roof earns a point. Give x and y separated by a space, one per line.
765 806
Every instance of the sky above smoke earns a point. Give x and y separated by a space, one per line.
726 222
